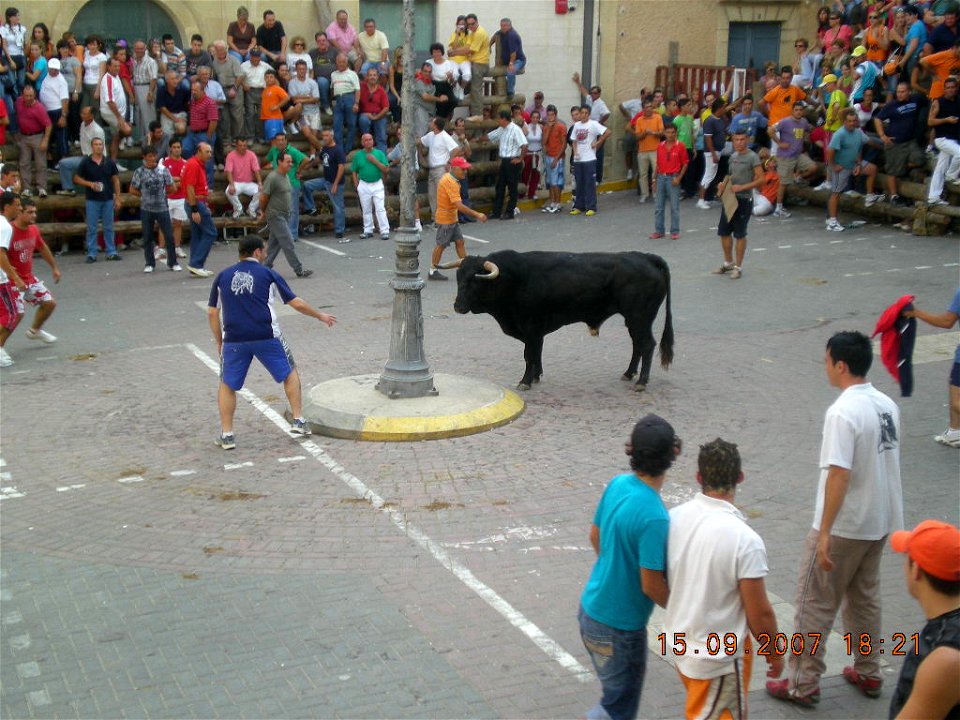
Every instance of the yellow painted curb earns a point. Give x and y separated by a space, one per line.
405 429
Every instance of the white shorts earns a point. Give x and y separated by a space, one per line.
311 121
178 210
464 71
37 293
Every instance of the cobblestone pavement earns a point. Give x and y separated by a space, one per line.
147 573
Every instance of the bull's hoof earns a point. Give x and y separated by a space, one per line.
594 331
523 387
639 387
536 380
627 376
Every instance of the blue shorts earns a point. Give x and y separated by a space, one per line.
955 375
553 175
272 128
273 354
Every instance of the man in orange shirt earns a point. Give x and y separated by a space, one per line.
448 205
941 65
554 147
272 101
647 127
778 103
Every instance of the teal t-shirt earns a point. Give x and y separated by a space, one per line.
367 171
846 147
298 157
634 525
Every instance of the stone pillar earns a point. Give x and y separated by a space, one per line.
407 373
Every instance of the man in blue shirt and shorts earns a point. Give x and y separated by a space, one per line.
249 329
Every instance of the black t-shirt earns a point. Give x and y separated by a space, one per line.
270 38
102 172
948 108
331 158
941 631
195 61
901 118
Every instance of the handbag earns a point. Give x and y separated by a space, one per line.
890 67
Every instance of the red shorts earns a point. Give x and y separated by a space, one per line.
11 306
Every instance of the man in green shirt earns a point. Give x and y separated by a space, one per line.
279 143
369 165
275 208
685 135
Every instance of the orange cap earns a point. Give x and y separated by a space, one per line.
934 546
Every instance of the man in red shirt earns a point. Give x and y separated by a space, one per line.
671 165
204 116
176 198
202 230
373 106
35 129
27 240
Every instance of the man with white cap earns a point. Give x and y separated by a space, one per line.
928 685
449 204
55 98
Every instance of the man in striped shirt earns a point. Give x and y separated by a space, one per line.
513 147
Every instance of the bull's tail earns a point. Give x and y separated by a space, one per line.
666 340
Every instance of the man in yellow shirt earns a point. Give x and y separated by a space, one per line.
834 100
479 64
449 205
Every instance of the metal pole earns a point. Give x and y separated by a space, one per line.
407 373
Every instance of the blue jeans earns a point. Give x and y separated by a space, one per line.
59 145
191 141
202 235
620 659
367 65
324 85
666 188
147 218
336 199
68 168
379 130
100 210
343 115
512 77
295 211
584 174
238 56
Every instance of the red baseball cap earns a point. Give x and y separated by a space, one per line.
460 162
934 546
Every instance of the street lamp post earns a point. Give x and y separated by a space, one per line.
406 373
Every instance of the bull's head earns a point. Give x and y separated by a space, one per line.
472 275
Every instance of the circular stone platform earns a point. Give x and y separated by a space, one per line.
352 408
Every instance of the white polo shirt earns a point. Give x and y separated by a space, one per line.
709 550
439 145
53 91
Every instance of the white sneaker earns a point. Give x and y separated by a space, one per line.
630 174
121 167
176 268
199 272
703 204
950 438
834 226
5 359
781 213
147 269
181 253
825 185
852 194
936 203
418 225
516 212
41 335
236 214
871 199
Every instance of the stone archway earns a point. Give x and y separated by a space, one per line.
129 19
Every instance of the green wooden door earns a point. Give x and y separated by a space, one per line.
389 17
127 19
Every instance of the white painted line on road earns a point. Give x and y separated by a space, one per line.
759 249
3 463
7 493
895 270
68 488
951 264
548 645
236 466
291 459
810 244
6 476
182 473
476 239
922 267
131 479
46 358
318 246
784 247
836 242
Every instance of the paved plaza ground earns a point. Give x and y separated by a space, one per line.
147 573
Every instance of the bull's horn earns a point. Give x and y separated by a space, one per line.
450 265
493 272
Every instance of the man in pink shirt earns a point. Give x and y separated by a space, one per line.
35 129
343 36
204 116
243 178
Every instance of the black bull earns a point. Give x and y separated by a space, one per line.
532 294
